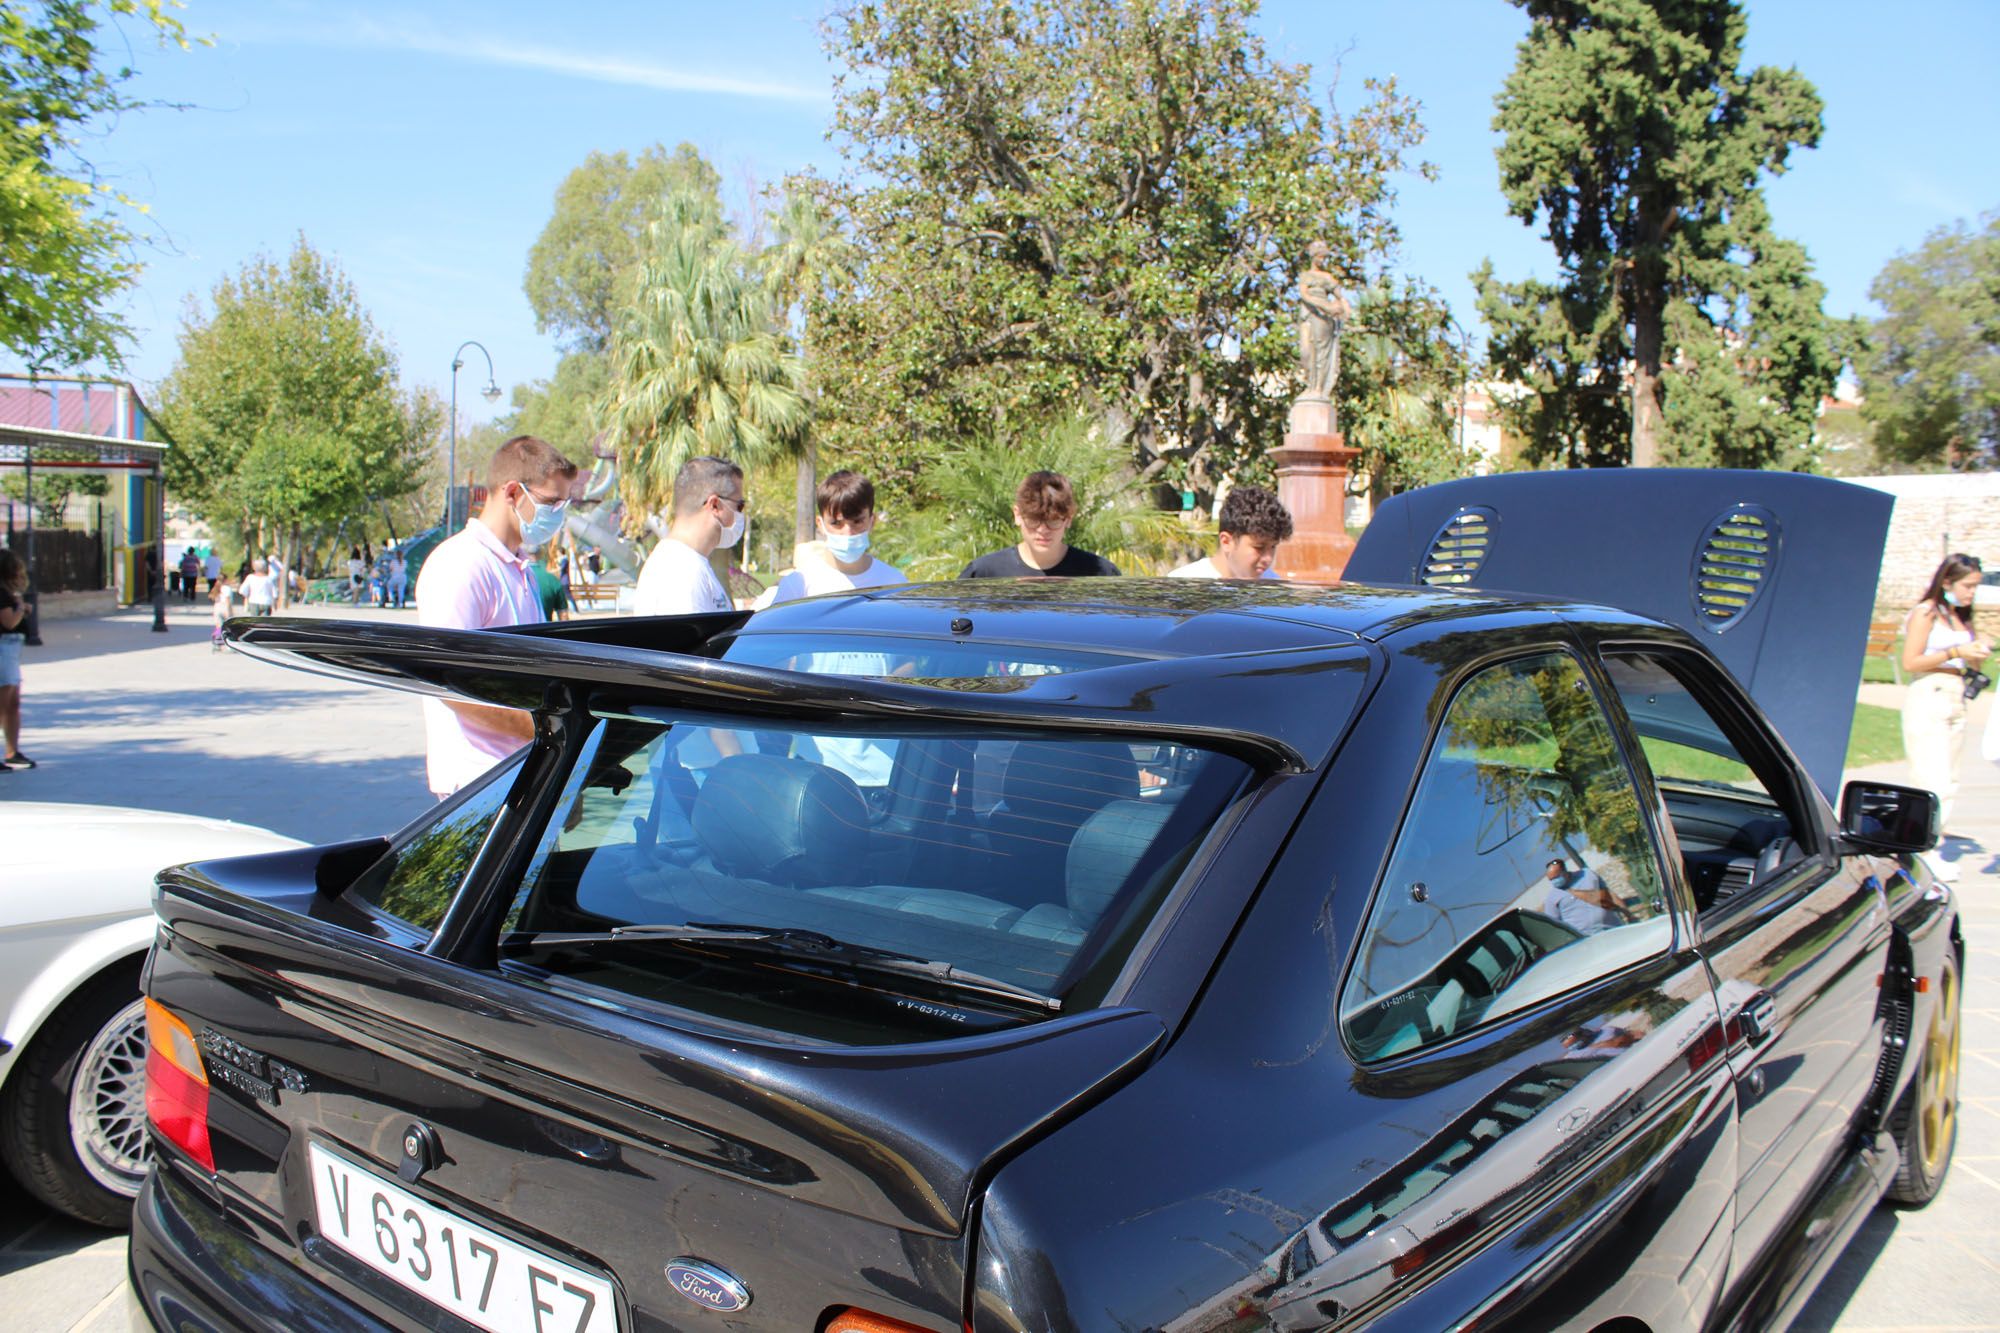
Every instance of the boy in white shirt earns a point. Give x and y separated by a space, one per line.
840 560
676 579
1253 522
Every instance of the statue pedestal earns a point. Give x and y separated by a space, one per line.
1312 484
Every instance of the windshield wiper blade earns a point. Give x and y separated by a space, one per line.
797 941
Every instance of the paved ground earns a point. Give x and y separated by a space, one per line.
118 715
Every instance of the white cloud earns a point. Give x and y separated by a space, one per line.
367 32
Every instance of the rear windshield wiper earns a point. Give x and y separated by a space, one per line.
796 942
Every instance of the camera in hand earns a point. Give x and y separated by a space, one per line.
1975 681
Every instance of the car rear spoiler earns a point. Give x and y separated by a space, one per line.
1286 709
1775 572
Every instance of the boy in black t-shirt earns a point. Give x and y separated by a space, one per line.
1044 507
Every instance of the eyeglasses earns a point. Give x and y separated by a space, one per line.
742 505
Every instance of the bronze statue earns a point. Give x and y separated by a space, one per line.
1322 312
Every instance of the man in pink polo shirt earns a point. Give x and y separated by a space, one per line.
482 578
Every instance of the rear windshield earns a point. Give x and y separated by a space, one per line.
870 887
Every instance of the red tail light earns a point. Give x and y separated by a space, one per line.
176 1085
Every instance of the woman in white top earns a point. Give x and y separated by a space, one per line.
1939 648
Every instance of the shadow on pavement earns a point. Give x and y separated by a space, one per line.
292 796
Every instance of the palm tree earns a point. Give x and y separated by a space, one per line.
810 250
698 365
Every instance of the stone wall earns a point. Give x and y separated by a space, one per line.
1934 516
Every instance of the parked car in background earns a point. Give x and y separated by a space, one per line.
1113 954
76 920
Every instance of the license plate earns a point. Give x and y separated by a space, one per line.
479 1275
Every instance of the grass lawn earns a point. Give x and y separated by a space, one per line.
1878 671
1877 737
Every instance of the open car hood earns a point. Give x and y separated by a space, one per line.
1775 572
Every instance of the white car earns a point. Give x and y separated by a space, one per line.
76 920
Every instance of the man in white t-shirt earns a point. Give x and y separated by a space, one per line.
1579 900
1253 522
482 578
840 560
676 579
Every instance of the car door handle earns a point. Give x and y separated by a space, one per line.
1757 1017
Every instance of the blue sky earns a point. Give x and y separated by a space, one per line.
421 145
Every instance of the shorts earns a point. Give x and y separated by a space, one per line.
10 658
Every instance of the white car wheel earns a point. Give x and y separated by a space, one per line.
73 1121
107 1103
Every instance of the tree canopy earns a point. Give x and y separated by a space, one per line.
1682 330
697 364
65 248
1097 203
284 404
581 266
1930 374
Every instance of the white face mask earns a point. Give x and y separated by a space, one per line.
732 532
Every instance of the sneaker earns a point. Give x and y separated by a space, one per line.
18 761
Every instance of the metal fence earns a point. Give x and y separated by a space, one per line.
66 560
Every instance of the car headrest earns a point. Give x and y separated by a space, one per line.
1053 786
786 821
1106 850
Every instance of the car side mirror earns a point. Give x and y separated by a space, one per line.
1885 817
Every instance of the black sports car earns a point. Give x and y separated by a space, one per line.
1123 954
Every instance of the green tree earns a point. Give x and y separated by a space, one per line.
964 506
580 268
808 258
1680 322
697 363
54 486
562 409
1930 374
1403 373
284 360
65 249
1101 203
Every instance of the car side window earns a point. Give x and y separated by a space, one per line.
416 879
1523 869
1726 796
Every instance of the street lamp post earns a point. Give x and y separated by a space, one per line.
1464 375
491 393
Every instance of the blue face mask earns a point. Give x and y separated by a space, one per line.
546 523
849 547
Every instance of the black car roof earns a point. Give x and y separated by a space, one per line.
1150 616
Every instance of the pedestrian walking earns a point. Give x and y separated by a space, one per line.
259 589
1252 522
480 578
1044 508
708 510
222 605
190 574
357 576
13 637
1943 657
841 560
211 568
399 580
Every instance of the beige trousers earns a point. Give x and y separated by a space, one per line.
1934 736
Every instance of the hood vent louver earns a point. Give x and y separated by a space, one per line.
1459 549
1736 561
